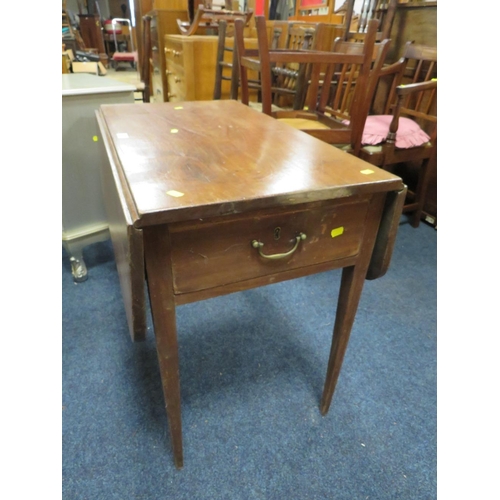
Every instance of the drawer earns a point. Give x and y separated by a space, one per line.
220 251
174 53
176 87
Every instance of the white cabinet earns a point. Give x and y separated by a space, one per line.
83 214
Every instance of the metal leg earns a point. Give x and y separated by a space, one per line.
74 243
78 269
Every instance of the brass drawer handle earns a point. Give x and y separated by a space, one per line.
259 245
177 80
169 95
175 53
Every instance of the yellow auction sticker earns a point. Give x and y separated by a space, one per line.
174 193
337 231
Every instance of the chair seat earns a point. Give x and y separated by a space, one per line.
125 56
409 134
304 123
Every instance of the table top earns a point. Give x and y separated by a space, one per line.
83 84
182 161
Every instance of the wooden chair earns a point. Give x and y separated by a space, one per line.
249 58
405 133
226 68
297 34
339 85
381 10
144 86
207 19
289 79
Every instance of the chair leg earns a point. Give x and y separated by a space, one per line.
422 185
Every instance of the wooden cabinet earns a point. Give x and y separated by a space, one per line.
415 21
191 62
163 22
190 70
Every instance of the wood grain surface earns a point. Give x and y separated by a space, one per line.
207 158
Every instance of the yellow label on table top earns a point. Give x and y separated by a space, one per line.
337 231
174 193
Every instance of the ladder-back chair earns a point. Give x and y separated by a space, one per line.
144 86
406 130
289 79
339 85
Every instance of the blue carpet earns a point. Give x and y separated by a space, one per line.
252 370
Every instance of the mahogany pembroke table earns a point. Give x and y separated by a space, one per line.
207 198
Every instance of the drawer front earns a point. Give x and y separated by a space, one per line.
176 85
210 253
174 53
156 76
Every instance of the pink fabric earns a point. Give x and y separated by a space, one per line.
409 134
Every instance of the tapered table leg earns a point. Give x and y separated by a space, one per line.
351 286
160 286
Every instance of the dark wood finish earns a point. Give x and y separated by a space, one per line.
383 11
159 272
91 33
226 64
202 194
386 236
341 83
351 287
290 80
141 8
412 84
144 64
202 260
222 64
207 19
415 22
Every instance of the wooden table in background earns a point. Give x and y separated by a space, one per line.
215 197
